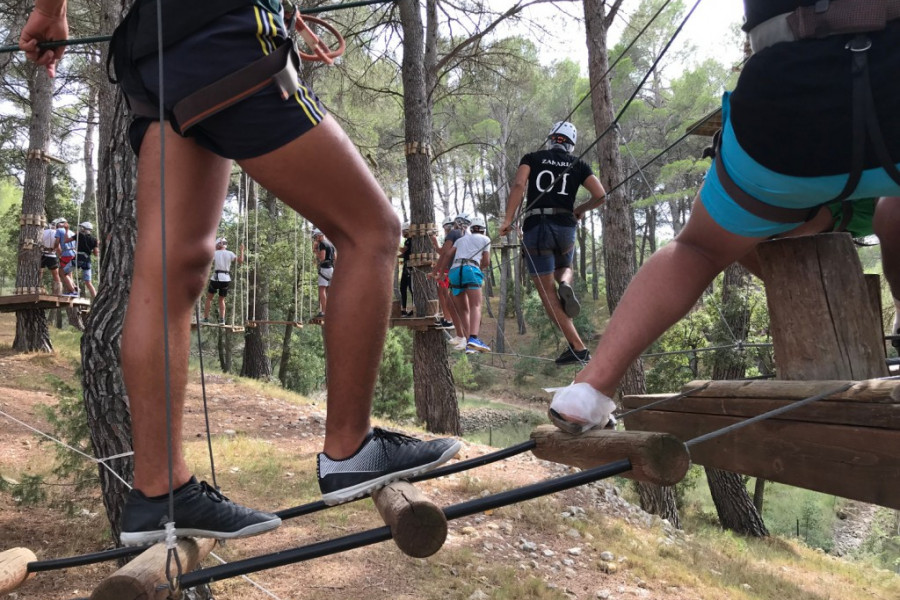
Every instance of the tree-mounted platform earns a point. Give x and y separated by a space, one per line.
315 321
847 444
415 323
297 324
708 125
226 327
41 301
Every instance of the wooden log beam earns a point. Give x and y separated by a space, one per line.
417 524
144 578
14 568
655 457
886 391
823 322
861 463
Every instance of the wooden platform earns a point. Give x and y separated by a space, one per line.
707 126
298 324
226 327
416 323
847 445
316 321
41 301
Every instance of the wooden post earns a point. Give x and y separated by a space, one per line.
823 323
418 526
144 578
14 568
655 457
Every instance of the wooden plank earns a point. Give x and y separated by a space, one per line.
860 414
40 301
14 568
655 457
231 328
708 126
144 578
861 463
298 324
822 321
418 525
872 390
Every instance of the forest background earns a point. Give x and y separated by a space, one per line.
499 82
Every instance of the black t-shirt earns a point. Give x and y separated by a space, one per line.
86 243
757 11
549 167
407 250
328 261
791 109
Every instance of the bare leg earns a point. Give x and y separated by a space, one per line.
57 283
322 176
461 304
207 306
473 299
222 308
90 286
663 291
546 287
323 298
887 228
193 208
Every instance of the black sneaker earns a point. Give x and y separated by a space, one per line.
571 357
384 457
570 303
896 341
200 511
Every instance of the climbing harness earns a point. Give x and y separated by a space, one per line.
827 18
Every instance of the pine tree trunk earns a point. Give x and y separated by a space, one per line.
286 347
32 333
256 363
435 397
618 231
734 506
105 398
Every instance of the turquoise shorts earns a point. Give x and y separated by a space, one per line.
465 277
775 188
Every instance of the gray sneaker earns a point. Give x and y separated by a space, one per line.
200 511
570 303
384 457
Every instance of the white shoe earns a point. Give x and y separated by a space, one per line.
462 344
579 407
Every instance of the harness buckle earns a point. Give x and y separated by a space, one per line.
821 6
859 43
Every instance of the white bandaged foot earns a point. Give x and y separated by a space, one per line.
579 407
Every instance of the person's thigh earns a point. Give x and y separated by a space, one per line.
323 177
537 251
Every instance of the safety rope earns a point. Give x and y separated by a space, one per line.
212 462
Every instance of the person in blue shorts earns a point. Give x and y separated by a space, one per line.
277 130
469 256
813 120
547 180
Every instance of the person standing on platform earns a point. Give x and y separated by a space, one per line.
405 276
326 256
86 246
220 282
50 255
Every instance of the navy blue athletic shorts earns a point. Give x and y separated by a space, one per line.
254 126
548 246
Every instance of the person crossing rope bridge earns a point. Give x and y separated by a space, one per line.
279 140
220 282
812 121
550 178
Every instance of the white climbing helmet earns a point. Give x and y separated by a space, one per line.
60 221
565 129
406 226
221 242
462 220
478 223
315 232
86 226
448 222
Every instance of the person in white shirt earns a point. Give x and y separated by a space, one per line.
50 255
221 278
469 255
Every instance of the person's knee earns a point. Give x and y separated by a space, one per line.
191 267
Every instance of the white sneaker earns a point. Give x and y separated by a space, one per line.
462 344
579 407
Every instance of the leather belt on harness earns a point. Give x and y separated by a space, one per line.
278 68
546 211
824 18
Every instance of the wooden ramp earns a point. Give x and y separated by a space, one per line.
847 444
41 301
